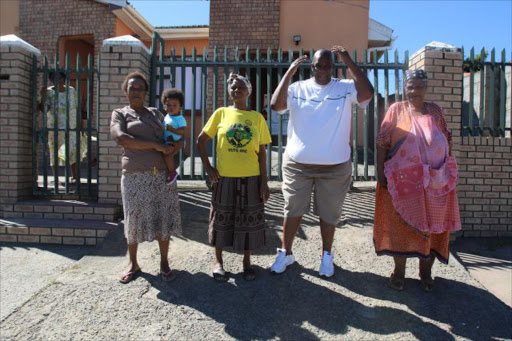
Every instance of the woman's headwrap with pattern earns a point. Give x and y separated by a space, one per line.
234 76
415 74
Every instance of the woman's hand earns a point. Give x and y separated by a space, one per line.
264 190
165 148
213 173
177 145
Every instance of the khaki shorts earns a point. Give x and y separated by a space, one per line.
331 185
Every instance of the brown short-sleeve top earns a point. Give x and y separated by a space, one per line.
147 126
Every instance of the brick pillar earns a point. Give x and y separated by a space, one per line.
119 57
444 69
15 121
485 163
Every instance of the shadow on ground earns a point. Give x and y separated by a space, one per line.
195 207
281 306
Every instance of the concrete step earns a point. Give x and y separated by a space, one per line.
63 209
55 231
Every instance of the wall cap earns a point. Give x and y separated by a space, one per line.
437 46
126 40
14 40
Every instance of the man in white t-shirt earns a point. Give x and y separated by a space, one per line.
318 150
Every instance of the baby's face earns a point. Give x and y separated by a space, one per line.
172 106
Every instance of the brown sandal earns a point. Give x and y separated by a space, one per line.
427 284
396 283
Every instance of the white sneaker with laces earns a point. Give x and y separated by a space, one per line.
282 261
327 266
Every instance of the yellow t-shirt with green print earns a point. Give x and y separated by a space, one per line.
239 136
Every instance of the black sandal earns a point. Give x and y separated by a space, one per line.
249 274
220 275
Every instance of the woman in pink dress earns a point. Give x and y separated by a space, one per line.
416 203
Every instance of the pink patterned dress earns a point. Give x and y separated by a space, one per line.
414 215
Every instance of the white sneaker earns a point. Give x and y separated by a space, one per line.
327 266
282 261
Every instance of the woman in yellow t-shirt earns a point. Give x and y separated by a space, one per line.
240 188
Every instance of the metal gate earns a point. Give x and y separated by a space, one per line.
487 95
65 123
202 79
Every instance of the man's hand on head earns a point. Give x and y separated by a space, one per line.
342 53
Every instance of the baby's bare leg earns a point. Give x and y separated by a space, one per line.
169 161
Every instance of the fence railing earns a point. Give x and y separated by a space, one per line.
202 79
487 95
65 125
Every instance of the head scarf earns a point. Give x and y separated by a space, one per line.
234 76
415 74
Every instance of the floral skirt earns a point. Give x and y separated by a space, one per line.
151 207
237 214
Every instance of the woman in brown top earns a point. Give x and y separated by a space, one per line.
151 209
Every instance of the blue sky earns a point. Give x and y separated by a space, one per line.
478 23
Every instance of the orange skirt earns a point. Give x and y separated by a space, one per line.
394 237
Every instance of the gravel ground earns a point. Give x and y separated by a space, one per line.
86 302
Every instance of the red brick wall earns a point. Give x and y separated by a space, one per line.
42 22
241 23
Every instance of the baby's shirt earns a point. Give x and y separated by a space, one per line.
176 122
